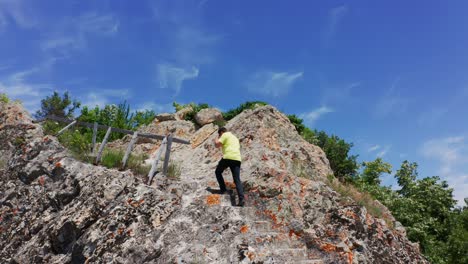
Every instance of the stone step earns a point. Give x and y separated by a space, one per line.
309 261
293 253
262 226
271 240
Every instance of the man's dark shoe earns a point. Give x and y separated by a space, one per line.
213 191
241 204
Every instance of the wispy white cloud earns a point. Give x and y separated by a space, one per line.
335 17
25 85
102 97
452 155
391 103
339 94
173 77
73 33
379 150
383 151
311 117
272 83
373 148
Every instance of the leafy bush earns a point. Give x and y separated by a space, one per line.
247 105
56 105
78 144
4 98
297 122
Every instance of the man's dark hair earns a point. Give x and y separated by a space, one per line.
221 130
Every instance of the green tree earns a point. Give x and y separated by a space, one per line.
244 106
424 207
298 123
343 164
373 170
458 239
62 106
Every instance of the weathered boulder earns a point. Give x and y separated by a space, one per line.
202 134
180 115
165 117
208 115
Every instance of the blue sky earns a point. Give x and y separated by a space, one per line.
389 76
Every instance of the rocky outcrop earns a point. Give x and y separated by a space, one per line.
208 115
165 117
55 209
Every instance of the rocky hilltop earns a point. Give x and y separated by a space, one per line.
55 209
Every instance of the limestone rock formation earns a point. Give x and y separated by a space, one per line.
208 115
55 209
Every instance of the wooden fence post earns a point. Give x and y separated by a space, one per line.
129 149
101 148
66 127
95 127
154 165
168 154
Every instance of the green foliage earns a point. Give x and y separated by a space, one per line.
424 206
343 164
174 170
59 106
373 170
141 118
19 141
113 159
457 249
118 116
247 105
298 123
4 98
79 144
310 136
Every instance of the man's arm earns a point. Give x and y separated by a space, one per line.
218 143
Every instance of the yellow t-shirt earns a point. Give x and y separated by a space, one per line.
231 146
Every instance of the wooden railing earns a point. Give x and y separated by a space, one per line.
166 144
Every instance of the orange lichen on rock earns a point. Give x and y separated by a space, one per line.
328 247
351 214
273 217
58 164
250 255
350 257
244 229
231 185
292 232
213 199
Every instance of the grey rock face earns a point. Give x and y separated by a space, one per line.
55 209
208 115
